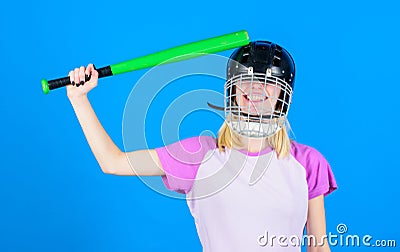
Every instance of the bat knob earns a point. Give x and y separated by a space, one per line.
45 86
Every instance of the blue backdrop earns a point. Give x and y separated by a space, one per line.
54 196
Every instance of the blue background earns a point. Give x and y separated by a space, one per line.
53 194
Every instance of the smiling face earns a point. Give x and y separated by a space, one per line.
256 97
256 104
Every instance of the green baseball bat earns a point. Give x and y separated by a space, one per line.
175 54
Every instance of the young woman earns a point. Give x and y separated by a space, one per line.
252 189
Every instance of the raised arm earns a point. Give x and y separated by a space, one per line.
110 158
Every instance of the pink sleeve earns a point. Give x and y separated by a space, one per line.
320 178
181 161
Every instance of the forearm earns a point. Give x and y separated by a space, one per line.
324 248
102 146
316 225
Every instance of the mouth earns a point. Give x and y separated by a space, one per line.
255 97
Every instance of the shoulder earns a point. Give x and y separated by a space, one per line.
195 147
305 154
198 143
319 175
181 160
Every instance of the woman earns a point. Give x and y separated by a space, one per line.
252 189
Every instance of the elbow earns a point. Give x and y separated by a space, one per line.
110 163
117 166
107 170
111 172
117 172
109 166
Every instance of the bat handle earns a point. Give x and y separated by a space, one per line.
62 82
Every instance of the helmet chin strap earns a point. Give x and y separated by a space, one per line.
255 129
256 118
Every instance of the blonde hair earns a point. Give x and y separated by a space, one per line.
280 142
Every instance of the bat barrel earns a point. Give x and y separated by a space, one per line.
184 52
62 82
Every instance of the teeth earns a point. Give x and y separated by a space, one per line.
256 97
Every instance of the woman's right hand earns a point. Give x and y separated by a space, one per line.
78 87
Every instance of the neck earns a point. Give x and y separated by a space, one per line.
254 144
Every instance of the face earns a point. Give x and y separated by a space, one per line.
256 98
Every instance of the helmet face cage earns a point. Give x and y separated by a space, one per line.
258 90
256 104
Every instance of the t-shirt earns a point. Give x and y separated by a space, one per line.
244 201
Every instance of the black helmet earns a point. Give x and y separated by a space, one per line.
258 62
262 55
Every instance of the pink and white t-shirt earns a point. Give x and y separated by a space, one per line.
241 200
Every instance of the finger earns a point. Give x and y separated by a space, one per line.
92 71
71 77
87 73
82 75
76 74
